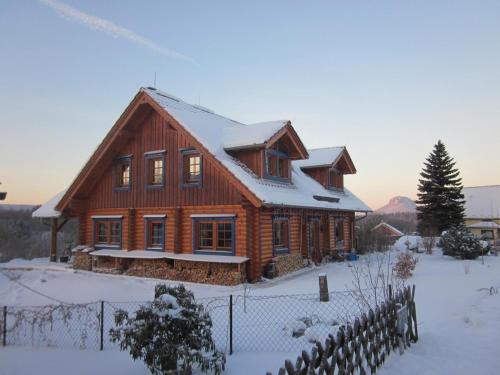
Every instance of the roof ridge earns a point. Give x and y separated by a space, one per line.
324 148
269 122
199 107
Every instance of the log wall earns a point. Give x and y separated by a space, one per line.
154 133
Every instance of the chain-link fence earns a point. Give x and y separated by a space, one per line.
240 322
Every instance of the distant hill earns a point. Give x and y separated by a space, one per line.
18 207
398 205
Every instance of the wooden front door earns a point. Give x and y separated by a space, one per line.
314 250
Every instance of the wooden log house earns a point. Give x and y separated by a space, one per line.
176 191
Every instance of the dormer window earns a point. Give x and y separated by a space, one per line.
335 180
123 173
278 163
192 168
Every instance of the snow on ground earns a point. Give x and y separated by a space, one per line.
458 319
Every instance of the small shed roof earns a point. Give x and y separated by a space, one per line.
48 209
396 231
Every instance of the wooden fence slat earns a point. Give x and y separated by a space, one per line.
363 345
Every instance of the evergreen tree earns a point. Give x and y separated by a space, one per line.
440 203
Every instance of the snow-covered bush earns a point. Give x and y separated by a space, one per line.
170 334
410 242
458 242
405 264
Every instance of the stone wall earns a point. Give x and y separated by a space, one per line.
284 264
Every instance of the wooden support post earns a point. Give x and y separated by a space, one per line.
323 288
53 240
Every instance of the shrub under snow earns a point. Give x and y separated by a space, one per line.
458 242
170 334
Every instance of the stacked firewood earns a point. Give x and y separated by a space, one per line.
82 261
288 263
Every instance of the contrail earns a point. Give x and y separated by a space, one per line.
112 29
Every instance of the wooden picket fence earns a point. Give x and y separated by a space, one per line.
363 346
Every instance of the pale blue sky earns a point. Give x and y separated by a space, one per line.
385 78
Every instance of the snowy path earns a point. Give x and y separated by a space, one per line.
459 320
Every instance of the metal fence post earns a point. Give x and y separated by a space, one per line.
4 329
101 323
230 324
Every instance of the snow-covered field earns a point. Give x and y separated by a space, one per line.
459 321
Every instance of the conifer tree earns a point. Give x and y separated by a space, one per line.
440 203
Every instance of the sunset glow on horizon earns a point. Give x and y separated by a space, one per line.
387 80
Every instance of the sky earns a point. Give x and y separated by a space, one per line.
387 79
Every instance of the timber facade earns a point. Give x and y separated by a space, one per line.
162 198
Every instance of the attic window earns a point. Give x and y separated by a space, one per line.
123 173
192 167
155 169
335 180
277 163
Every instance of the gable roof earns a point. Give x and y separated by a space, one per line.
482 202
211 131
326 157
388 226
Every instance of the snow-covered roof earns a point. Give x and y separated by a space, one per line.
484 225
251 135
482 202
210 129
48 209
320 157
389 226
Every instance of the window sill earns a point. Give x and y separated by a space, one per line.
106 246
213 252
122 188
336 189
154 187
283 180
191 184
281 251
155 248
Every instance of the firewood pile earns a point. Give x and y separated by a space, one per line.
288 263
82 261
